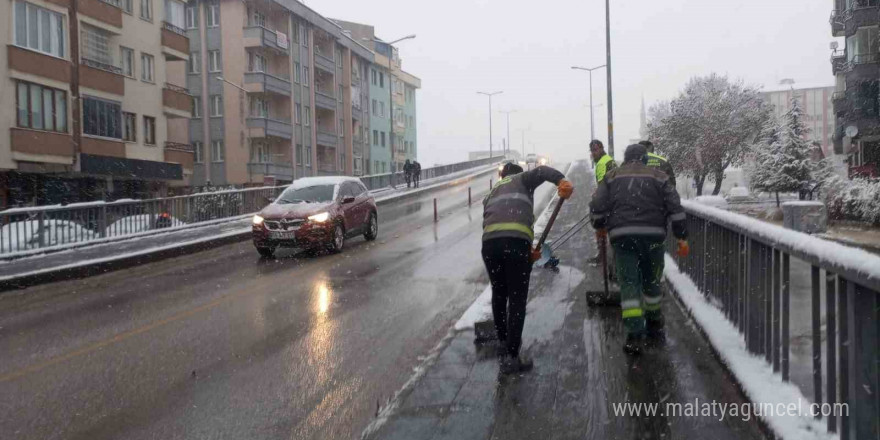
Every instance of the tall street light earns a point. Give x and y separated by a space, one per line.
608 71
243 96
590 71
508 112
490 95
391 90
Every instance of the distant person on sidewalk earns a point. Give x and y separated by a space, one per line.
407 172
658 161
634 202
508 215
417 172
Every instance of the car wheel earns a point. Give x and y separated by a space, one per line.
338 239
266 252
372 227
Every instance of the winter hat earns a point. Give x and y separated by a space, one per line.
510 169
635 153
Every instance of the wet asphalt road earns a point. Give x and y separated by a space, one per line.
222 344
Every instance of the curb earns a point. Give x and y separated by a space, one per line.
96 267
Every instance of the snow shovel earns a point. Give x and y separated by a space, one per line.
484 331
607 296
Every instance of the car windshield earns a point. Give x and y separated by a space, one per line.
309 194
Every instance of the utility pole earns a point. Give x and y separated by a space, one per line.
508 112
490 95
590 71
608 71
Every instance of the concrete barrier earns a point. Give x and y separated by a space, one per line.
805 216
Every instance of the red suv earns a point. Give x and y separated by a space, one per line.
316 212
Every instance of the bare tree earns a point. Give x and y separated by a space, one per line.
708 127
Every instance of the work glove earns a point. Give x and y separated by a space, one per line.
534 254
683 248
564 189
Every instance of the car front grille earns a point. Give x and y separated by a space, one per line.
283 225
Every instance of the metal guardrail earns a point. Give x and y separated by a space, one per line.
101 66
32 228
177 30
744 267
176 88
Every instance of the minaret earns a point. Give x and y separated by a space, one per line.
643 122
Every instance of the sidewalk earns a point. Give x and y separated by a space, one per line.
580 369
97 258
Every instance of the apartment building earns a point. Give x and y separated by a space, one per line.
856 98
815 100
278 93
393 136
93 100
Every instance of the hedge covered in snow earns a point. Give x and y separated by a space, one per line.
857 199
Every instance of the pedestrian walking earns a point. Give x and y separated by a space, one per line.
508 215
418 172
407 172
634 202
658 161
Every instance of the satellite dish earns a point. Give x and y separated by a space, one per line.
852 131
833 45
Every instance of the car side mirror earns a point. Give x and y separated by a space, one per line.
347 199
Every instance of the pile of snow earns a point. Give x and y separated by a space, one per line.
716 201
25 235
738 193
134 224
756 376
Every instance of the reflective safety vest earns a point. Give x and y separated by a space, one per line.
508 210
603 166
655 160
660 162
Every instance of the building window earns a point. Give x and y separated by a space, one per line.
259 108
147 67
381 80
382 109
126 57
308 116
213 61
259 152
296 73
382 136
194 64
216 105
305 77
375 108
198 152
39 29
129 127
257 18
305 37
341 128
128 6
256 62
299 154
96 45
147 10
212 16
192 17
41 108
102 118
217 151
294 33
149 130
197 107
175 13
373 76
376 137
297 114
308 158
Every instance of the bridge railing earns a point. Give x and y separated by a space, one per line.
747 268
33 228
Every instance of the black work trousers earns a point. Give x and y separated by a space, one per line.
507 261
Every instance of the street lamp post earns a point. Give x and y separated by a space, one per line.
490 94
608 72
508 112
243 94
590 71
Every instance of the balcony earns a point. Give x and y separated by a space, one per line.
838 62
261 127
281 171
836 21
862 13
41 143
261 82
325 100
35 63
327 138
105 12
176 102
175 43
260 37
324 62
862 66
176 152
101 76
838 99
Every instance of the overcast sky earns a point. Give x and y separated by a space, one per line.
526 48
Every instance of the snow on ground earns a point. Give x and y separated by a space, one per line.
755 375
829 254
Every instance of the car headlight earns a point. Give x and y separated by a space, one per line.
320 218
500 167
258 220
543 161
